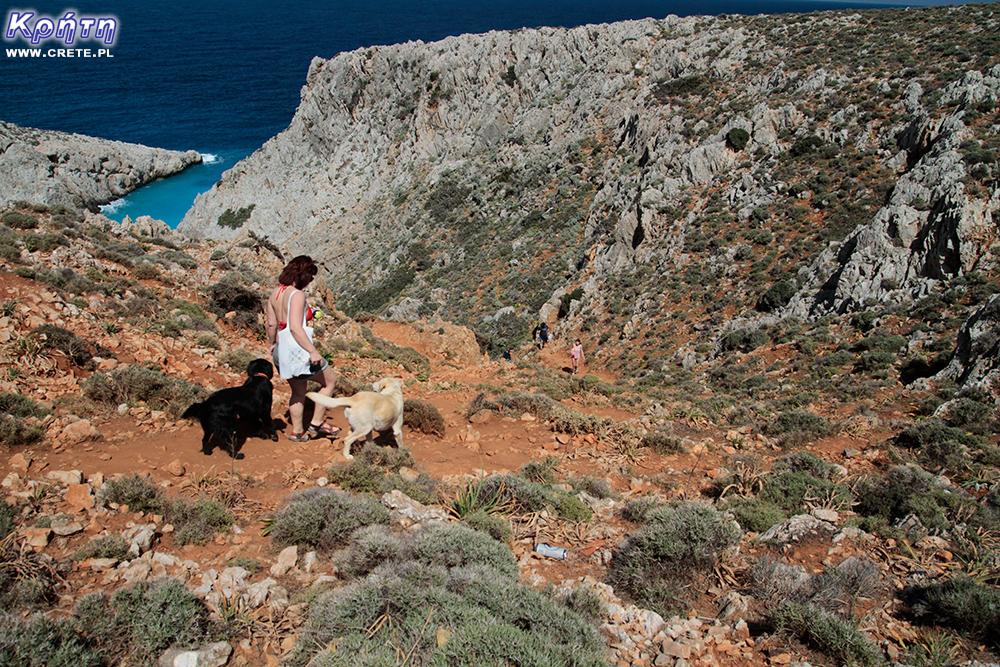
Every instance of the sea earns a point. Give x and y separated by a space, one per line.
222 77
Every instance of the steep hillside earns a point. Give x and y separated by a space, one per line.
645 181
795 512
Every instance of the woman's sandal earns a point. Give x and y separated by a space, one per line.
323 430
300 437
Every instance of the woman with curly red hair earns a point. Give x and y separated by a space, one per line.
287 307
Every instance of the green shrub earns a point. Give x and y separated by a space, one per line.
139 384
455 545
52 337
790 490
423 417
776 297
571 508
27 579
198 522
376 470
737 138
146 271
225 297
370 547
974 413
875 361
105 546
595 488
486 617
880 343
909 490
496 526
638 510
799 422
960 602
139 492
677 543
358 476
407 357
938 445
138 623
39 641
15 433
755 514
324 518
16 220
18 405
43 242
827 633
662 444
518 493
540 472
802 461
744 340
181 259
235 219
8 513
236 358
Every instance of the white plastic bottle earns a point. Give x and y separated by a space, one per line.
550 551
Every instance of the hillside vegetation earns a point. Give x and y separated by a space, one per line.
776 237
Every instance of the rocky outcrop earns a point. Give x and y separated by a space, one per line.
929 231
976 360
50 168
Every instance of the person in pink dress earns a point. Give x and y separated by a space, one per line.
576 355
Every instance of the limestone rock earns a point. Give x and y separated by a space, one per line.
65 527
20 463
213 655
976 362
140 538
795 529
50 168
79 431
175 468
286 561
79 496
65 476
408 511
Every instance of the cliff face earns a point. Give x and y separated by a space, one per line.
45 167
745 168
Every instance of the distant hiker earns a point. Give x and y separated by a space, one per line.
541 334
576 355
506 354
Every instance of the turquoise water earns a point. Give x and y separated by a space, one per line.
170 198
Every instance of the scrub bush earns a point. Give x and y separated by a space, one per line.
677 543
323 518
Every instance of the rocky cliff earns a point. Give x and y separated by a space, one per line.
746 169
46 167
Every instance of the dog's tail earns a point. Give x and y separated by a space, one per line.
330 402
194 412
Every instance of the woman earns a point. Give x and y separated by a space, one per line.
576 355
285 308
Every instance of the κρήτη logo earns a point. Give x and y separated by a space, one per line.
69 28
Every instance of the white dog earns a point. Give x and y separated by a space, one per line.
369 411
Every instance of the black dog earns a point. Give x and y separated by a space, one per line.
250 402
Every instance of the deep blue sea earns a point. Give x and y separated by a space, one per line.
223 77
